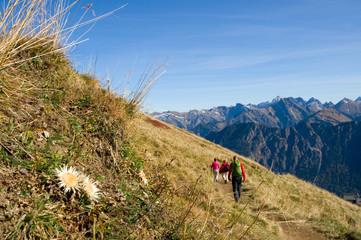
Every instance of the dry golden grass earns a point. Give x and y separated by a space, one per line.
27 25
269 198
38 26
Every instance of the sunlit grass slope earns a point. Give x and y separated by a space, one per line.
272 207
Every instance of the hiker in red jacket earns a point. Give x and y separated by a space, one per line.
224 171
237 171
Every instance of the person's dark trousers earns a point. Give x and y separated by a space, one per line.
236 184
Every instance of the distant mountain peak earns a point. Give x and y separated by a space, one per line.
315 103
276 99
262 105
312 99
346 100
358 99
300 101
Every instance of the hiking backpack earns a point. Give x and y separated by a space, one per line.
226 168
236 168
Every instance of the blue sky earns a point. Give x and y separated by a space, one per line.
220 53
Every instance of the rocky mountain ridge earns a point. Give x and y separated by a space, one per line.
281 112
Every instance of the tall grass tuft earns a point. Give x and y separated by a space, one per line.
26 25
41 25
144 85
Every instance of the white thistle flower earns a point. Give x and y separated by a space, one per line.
68 178
91 189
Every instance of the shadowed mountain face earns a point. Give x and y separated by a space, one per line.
328 156
281 113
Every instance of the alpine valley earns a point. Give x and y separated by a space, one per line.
317 142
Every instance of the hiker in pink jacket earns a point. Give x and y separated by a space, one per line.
215 168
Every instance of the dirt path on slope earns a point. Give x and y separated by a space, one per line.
289 230
299 231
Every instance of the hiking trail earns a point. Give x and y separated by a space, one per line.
288 229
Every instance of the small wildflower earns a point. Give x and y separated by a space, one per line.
68 178
91 189
143 177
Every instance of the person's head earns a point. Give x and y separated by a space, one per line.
215 160
224 161
235 158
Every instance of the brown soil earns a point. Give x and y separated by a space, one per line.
156 123
299 231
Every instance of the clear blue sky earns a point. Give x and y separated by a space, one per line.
220 53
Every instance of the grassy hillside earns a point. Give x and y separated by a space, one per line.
59 131
272 207
79 162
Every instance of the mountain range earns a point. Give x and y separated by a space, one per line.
281 113
317 142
